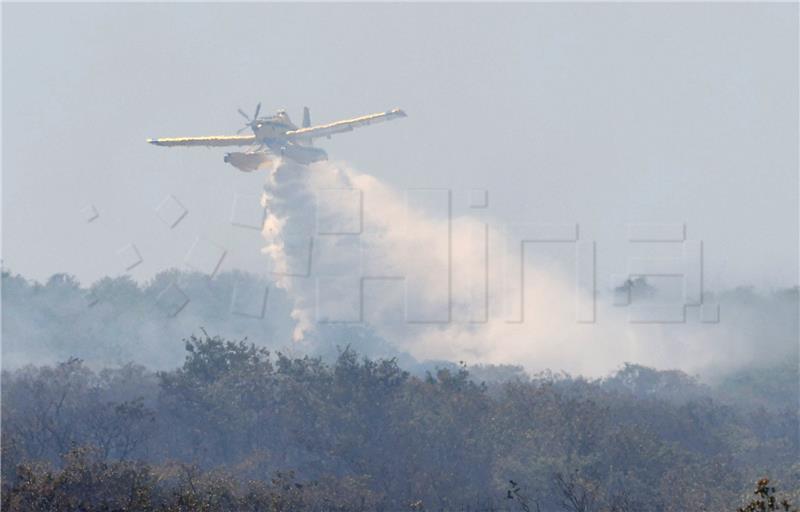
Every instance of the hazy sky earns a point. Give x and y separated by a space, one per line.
603 115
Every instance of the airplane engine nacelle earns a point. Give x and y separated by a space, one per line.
249 161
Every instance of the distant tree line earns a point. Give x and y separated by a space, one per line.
117 320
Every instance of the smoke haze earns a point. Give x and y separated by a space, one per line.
440 286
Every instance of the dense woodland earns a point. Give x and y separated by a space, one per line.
105 406
238 428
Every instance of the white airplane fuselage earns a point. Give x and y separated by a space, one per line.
272 134
272 129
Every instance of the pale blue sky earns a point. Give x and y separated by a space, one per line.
598 114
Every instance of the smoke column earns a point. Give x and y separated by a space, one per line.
442 283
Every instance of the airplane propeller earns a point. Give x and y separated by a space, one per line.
250 122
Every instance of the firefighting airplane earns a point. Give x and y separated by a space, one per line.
276 136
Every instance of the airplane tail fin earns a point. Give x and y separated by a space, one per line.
306 117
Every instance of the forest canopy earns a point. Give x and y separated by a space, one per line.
239 427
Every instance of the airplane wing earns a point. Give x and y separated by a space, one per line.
326 130
214 140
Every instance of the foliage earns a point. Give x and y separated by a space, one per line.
239 427
766 500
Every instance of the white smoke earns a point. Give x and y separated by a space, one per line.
347 248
